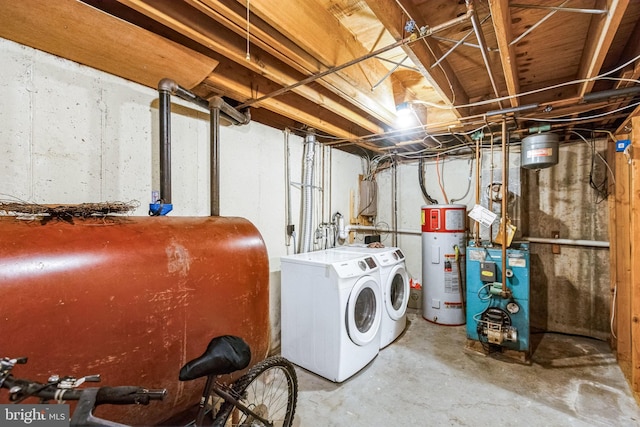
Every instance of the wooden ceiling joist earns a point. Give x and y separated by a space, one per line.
502 26
73 30
442 78
602 31
228 43
325 38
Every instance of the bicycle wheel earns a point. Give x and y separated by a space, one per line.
270 389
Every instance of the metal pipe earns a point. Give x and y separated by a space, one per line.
503 219
571 242
458 43
349 228
407 40
165 146
483 47
478 166
216 106
613 93
394 185
214 169
560 9
534 26
512 110
389 73
287 189
235 116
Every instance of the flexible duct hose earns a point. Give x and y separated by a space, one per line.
307 192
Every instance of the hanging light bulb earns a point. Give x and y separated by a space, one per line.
403 109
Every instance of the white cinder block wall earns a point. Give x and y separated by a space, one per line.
72 134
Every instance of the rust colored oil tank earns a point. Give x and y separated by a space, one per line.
132 299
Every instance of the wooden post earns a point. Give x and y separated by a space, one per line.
620 253
635 254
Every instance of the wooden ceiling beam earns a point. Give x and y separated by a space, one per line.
501 18
326 39
230 45
81 33
601 33
442 78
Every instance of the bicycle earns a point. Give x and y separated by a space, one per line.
264 396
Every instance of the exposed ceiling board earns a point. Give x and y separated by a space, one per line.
341 66
86 35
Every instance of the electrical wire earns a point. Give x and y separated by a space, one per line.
613 310
600 188
468 183
444 194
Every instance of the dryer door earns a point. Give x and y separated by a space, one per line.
364 311
396 292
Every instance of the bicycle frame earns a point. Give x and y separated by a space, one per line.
212 386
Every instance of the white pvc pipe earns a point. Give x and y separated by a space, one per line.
573 242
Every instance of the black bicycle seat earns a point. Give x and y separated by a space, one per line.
224 354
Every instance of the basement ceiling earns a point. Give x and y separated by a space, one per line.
342 67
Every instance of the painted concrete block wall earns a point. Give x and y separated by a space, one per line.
570 290
72 134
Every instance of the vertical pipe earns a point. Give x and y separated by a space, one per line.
287 188
477 27
307 191
503 219
394 237
478 165
165 146
215 160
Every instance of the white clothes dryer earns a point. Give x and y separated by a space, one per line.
331 312
395 288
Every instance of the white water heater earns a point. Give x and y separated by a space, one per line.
443 263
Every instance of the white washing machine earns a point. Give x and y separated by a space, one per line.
331 312
395 288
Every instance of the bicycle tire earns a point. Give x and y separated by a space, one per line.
268 386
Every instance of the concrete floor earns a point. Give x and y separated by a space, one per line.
426 378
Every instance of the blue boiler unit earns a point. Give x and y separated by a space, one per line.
497 316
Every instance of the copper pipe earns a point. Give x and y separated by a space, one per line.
503 219
477 226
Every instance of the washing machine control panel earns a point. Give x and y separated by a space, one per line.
355 267
371 262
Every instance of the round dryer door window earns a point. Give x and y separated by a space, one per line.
396 293
364 311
